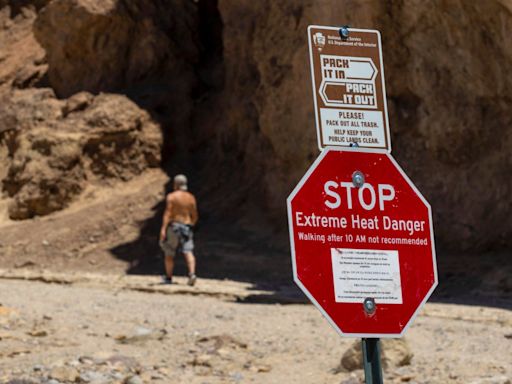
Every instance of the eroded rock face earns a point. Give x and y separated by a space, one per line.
110 44
448 96
147 50
22 58
229 84
52 147
452 126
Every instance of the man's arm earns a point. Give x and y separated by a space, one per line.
166 218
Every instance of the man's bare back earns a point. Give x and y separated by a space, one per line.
182 207
176 234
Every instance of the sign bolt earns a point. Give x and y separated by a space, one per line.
369 305
344 32
358 179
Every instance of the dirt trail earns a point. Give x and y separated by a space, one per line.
114 229
110 328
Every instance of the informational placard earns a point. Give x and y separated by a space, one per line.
359 230
362 273
348 88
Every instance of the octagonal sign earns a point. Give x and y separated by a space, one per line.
362 242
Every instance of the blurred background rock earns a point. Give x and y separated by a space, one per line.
99 91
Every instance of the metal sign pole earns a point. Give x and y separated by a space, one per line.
371 361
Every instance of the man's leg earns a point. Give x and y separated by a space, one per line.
169 266
191 265
169 247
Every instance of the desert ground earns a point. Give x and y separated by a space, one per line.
72 311
63 328
86 306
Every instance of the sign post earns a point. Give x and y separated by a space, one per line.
371 361
361 234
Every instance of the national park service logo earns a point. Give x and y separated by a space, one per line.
319 40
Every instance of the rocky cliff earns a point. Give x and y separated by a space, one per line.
51 147
448 95
97 90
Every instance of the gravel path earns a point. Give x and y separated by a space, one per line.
57 333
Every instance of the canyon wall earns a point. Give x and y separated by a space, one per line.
223 89
449 98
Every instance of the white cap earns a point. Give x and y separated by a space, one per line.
180 182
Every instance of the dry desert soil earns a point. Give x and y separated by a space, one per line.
80 301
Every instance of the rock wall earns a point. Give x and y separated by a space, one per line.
228 85
113 44
53 148
448 95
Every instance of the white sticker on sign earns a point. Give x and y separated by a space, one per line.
362 273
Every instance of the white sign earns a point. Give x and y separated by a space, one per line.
362 273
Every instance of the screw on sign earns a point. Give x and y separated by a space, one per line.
362 242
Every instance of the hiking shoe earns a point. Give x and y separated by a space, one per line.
167 280
192 278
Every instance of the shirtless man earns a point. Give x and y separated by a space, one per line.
176 235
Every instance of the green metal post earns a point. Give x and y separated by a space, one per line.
371 361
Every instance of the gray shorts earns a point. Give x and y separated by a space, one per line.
179 239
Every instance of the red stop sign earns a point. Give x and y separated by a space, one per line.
362 242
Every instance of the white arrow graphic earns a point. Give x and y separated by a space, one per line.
361 69
338 71
352 68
